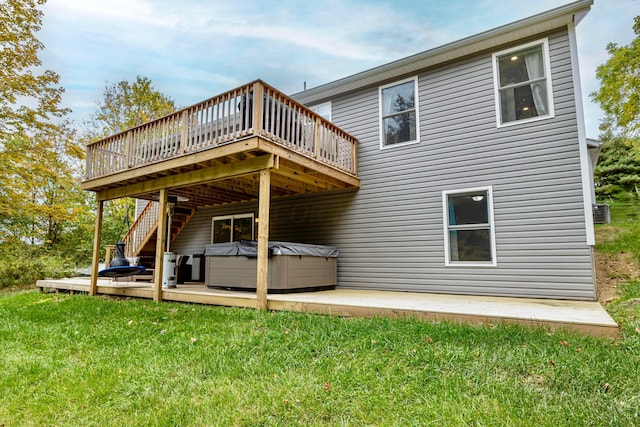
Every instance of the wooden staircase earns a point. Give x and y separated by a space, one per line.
142 236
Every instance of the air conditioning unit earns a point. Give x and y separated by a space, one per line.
601 214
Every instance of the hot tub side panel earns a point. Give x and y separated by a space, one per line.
285 272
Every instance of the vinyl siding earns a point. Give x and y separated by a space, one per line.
140 205
390 231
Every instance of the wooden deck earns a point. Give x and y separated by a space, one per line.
587 317
252 143
211 153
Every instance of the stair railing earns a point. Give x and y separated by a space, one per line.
142 229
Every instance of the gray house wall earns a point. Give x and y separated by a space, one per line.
390 231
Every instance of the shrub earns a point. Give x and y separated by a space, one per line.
24 270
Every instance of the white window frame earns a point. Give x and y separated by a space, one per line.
233 218
416 108
492 231
547 70
316 107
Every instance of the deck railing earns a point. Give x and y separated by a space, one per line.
252 109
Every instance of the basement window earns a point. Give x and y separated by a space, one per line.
522 77
231 228
468 227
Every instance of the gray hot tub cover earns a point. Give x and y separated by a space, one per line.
249 248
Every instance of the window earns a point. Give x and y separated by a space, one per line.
399 113
468 227
522 78
232 228
323 110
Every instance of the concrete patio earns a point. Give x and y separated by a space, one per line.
587 317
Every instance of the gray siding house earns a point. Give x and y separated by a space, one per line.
473 165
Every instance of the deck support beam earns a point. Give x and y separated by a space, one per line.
263 239
199 176
161 243
93 285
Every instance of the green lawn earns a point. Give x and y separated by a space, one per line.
621 237
82 361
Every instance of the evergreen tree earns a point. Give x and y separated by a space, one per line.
617 174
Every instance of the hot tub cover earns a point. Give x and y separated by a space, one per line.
249 248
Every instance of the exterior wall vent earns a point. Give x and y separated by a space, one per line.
601 214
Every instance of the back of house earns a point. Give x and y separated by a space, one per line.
473 165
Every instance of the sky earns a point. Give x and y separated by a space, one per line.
195 49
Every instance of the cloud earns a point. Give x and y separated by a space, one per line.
109 12
339 29
195 49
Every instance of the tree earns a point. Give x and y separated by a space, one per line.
126 105
40 198
619 93
617 174
41 195
28 100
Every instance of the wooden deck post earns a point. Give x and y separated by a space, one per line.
110 249
263 238
317 138
161 244
354 157
184 135
258 101
93 285
128 159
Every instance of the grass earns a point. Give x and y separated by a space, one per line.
82 361
622 236
77 360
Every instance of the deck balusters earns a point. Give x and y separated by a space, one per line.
223 119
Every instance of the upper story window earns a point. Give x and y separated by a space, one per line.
468 227
323 110
522 78
399 113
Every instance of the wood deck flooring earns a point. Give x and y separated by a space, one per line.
587 317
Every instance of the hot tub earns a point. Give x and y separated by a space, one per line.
292 266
